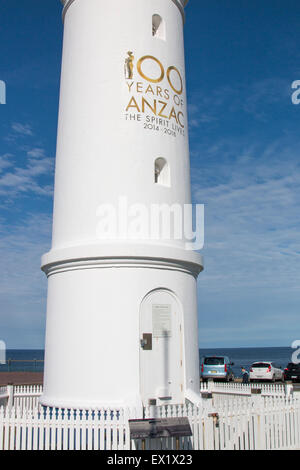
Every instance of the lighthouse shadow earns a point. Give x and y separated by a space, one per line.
166 365
167 410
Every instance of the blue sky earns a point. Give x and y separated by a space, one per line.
241 58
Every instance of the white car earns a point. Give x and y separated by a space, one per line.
266 371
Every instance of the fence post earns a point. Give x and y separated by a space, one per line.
257 406
10 393
207 401
207 409
152 411
210 386
289 389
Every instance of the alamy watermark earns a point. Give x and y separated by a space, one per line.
296 354
2 352
182 223
296 95
2 92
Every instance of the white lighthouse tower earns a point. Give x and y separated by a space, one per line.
122 303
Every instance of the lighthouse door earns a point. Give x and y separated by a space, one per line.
161 349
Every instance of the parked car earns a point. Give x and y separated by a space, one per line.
260 371
217 367
292 372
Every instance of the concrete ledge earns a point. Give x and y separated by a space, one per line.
120 255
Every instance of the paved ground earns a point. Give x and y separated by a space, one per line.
21 378
36 378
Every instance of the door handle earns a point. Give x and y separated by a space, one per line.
146 342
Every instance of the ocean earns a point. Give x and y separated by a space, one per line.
32 360
23 360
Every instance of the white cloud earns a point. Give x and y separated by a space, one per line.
23 286
36 153
21 247
5 162
256 99
24 237
26 179
23 129
252 219
249 290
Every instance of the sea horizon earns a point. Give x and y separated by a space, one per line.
32 360
200 348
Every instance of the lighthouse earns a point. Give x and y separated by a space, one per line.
122 324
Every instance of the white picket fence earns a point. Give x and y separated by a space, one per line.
21 396
272 426
3 396
240 420
27 396
239 393
269 423
231 388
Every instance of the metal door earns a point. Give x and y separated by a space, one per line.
161 349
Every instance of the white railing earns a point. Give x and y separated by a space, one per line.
20 396
232 388
3 396
27 396
234 418
63 430
270 423
241 394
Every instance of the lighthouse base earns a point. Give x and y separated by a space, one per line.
120 332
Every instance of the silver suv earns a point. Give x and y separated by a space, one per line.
217 367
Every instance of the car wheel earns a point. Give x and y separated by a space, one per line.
273 379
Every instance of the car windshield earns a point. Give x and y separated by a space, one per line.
214 361
260 365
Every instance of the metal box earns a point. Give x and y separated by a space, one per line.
156 428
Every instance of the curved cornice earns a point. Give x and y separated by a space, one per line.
109 256
83 264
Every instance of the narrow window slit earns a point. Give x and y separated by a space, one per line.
162 172
158 27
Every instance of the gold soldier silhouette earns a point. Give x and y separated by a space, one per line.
129 66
